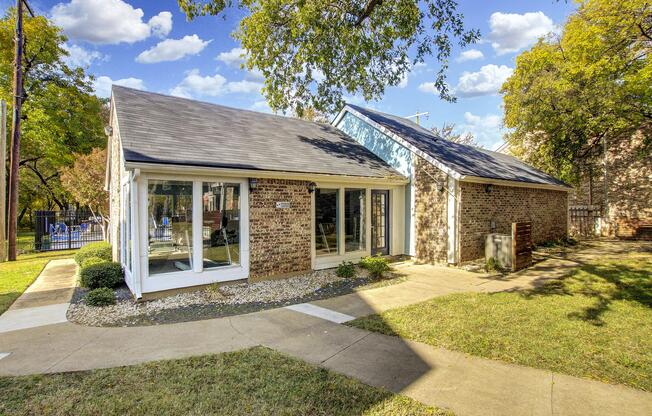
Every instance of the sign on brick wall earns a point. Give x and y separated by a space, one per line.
283 205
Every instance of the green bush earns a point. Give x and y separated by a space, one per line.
89 261
100 249
346 269
102 296
107 274
493 265
376 265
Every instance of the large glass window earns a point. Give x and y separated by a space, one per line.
326 220
354 219
220 224
169 212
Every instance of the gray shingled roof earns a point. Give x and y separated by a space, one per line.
463 159
157 128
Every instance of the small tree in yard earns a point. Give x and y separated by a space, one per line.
84 181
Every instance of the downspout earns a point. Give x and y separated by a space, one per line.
606 184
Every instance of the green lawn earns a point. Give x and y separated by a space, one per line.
16 276
256 381
596 323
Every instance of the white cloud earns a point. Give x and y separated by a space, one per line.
102 85
243 86
486 129
428 87
78 56
470 55
108 21
262 106
172 50
511 32
233 58
486 81
195 84
161 24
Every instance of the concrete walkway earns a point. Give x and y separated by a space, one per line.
465 384
46 301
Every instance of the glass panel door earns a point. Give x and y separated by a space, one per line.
379 222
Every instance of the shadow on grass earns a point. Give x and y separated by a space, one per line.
628 280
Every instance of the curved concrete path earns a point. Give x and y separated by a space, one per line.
465 384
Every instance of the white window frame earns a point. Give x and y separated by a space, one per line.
197 276
325 261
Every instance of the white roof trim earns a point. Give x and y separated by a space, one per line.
516 184
252 173
399 140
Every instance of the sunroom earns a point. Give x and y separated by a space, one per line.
202 193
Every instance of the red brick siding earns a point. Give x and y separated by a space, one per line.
430 213
547 209
279 238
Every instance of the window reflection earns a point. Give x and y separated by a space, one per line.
354 220
326 219
220 224
169 205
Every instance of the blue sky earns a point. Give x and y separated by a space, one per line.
150 45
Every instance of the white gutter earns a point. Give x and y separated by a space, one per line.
515 184
252 173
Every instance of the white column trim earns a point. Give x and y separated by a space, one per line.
452 217
197 219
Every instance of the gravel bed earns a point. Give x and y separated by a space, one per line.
214 301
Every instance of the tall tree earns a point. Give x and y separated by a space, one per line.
61 116
311 52
84 180
447 132
570 94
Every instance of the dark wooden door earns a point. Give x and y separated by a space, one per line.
379 222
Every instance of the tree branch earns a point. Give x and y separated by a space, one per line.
368 9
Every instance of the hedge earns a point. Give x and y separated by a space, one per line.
102 296
108 274
100 249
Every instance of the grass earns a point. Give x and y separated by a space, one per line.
596 323
17 275
256 381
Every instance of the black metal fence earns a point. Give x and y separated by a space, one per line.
64 230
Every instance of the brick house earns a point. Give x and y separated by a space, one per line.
202 193
624 202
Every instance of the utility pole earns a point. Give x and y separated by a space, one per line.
3 180
15 131
417 115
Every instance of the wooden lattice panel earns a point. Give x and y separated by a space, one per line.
521 245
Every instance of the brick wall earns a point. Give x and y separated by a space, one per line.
430 213
629 184
279 238
546 209
114 197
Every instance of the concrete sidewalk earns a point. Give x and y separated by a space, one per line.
46 301
465 384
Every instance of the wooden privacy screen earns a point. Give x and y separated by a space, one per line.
521 245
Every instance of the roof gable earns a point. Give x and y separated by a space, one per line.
455 158
156 128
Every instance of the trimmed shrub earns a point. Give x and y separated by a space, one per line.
346 269
102 296
493 265
100 249
376 265
89 261
107 274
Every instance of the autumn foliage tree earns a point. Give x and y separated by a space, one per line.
571 95
84 181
